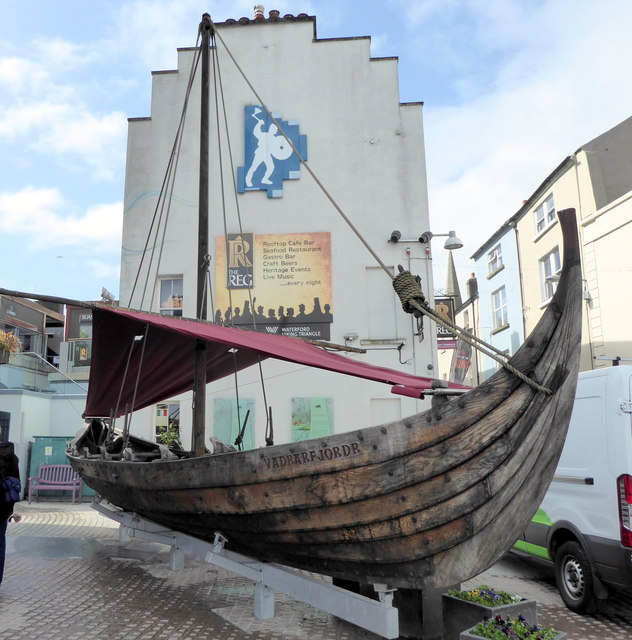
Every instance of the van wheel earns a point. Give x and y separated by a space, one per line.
574 579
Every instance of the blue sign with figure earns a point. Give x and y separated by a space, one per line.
269 158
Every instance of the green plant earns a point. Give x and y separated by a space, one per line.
170 435
499 629
486 596
9 342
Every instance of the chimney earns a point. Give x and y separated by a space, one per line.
259 9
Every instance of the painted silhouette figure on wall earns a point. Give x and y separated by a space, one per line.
271 146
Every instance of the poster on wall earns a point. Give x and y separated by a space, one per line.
269 159
78 323
461 359
275 283
229 419
311 418
444 307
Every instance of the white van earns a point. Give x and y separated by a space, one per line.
584 524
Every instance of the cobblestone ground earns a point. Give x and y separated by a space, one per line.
68 577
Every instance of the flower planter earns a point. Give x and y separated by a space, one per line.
468 635
459 615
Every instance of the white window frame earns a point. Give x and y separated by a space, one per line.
500 318
170 295
544 215
550 267
494 260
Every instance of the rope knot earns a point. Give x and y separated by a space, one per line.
407 286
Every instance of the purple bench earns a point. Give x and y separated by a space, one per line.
55 477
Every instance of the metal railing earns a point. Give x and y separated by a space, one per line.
29 371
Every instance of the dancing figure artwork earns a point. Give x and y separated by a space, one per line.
268 156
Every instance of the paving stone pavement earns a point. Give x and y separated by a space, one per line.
68 577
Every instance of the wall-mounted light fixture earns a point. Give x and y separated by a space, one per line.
451 243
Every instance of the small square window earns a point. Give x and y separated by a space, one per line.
171 296
545 215
494 260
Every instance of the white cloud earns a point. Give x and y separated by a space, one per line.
49 109
38 217
63 56
98 140
103 270
18 75
561 87
70 132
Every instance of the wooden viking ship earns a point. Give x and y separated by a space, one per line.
426 501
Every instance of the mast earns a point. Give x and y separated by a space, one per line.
206 29
199 389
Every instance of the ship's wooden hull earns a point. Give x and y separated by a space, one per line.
425 501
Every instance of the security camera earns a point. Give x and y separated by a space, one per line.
395 236
106 295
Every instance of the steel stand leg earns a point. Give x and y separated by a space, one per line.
264 602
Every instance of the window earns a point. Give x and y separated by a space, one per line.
171 296
168 424
550 267
544 215
499 309
494 260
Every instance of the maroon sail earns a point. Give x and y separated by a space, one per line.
164 346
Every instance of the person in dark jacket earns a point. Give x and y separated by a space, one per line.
8 469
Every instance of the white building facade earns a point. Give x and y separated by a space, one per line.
282 258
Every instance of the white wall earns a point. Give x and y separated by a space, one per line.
364 146
39 414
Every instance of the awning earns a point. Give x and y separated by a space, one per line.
167 351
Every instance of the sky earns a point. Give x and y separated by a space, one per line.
510 88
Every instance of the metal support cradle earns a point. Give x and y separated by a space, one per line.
377 616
